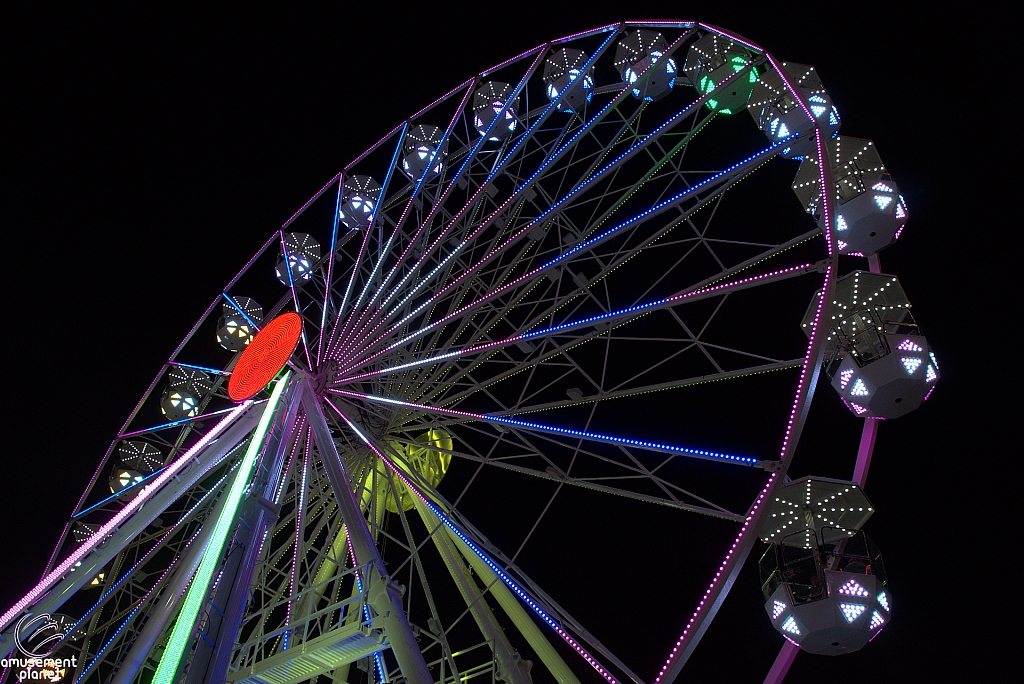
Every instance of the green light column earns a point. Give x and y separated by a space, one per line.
183 628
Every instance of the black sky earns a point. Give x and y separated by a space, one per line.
146 153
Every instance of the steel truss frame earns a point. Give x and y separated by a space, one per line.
470 303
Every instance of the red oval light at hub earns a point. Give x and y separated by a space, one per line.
265 356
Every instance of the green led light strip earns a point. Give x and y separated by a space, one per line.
182 633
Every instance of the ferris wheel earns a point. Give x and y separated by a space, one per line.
391 447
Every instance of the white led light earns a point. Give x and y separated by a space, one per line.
790 626
907 345
910 363
852 611
851 588
876 620
779 607
883 601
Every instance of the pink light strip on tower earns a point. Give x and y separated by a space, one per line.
589 32
504 577
298 534
374 146
86 547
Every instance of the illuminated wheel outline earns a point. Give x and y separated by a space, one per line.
377 302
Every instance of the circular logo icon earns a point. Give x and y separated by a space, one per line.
37 636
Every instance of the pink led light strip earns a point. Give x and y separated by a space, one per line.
398 226
638 309
826 189
801 392
86 547
415 490
792 90
310 201
718 575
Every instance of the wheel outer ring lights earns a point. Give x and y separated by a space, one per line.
265 356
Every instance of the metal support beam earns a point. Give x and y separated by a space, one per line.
169 603
199 464
741 547
384 596
258 516
515 611
511 668
782 662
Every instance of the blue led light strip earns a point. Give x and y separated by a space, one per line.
689 192
686 451
638 308
509 582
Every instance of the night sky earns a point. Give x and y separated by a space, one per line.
148 153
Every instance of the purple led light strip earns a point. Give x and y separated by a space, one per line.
311 200
86 547
375 145
826 187
730 36
465 84
639 308
487 72
291 282
624 441
793 91
653 211
512 584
